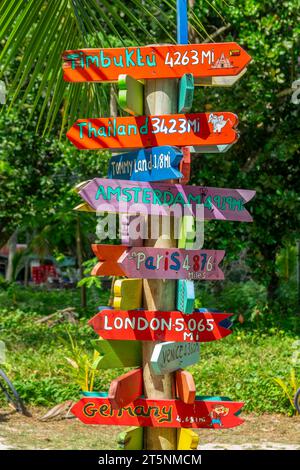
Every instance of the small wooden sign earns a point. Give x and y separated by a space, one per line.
159 413
128 294
131 95
185 165
157 263
147 325
151 131
126 388
170 356
159 198
225 81
187 231
154 164
133 439
187 439
185 386
185 93
185 296
118 354
170 61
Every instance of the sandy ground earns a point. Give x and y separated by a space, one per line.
258 432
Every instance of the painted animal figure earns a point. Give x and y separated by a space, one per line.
217 122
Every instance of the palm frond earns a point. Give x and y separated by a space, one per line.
36 32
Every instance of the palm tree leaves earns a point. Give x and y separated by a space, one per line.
36 32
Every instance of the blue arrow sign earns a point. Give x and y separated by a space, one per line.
154 164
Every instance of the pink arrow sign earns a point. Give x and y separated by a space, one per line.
133 197
158 263
147 325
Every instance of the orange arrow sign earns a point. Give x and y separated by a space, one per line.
136 132
185 386
171 61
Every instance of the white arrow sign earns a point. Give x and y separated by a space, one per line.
170 356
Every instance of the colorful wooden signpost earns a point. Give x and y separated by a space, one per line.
154 164
156 198
153 263
151 131
159 413
131 95
170 356
153 62
147 325
159 144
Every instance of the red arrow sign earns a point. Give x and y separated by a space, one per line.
126 388
157 263
160 413
136 132
172 61
147 325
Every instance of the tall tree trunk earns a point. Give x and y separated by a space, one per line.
12 247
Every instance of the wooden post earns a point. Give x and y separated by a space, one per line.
160 98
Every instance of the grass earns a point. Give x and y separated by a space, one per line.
240 366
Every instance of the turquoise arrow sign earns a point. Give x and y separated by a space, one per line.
170 356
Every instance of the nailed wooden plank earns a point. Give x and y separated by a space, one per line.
154 164
131 95
148 62
147 325
157 263
185 296
185 165
159 198
128 294
126 388
151 131
118 354
132 439
185 386
160 413
170 356
187 439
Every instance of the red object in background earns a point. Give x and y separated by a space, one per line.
40 274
